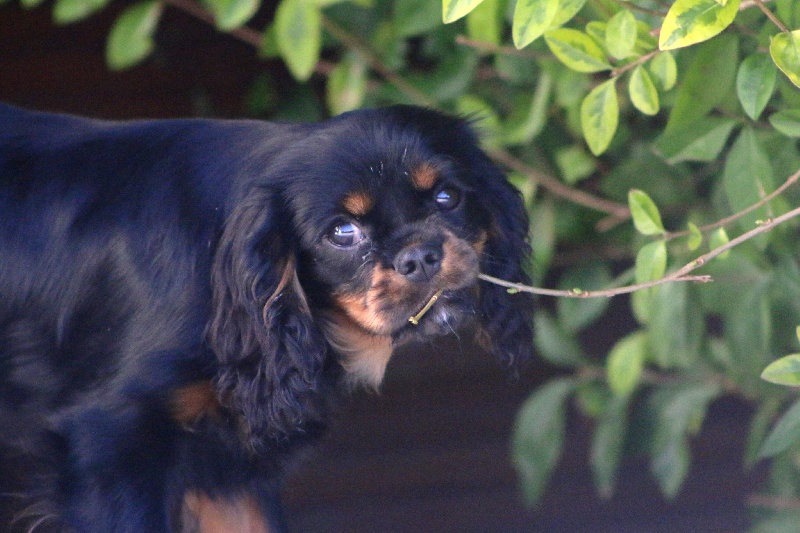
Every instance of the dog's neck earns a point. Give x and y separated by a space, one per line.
363 355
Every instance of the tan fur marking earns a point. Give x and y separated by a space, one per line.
364 355
358 203
424 177
204 514
459 265
192 402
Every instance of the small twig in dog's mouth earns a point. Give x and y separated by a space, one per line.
416 318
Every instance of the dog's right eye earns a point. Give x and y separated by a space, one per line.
345 235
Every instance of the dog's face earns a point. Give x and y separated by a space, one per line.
369 233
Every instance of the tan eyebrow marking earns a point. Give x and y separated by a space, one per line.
424 177
358 203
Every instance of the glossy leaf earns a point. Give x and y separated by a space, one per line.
719 238
695 237
539 436
693 21
642 92
785 52
651 261
707 82
68 11
484 23
452 10
347 85
524 125
553 343
784 371
747 176
574 164
786 122
413 17
620 35
576 50
676 326
565 11
700 140
664 70
298 32
608 442
644 212
600 116
531 19
625 364
784 434
131 37
230 14
755 82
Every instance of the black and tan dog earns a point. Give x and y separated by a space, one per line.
180 298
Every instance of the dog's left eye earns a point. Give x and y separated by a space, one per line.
346 235
448 198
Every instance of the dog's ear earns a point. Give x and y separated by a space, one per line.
270 352
506 322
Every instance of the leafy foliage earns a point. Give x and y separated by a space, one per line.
644 136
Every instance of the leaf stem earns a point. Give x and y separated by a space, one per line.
633 64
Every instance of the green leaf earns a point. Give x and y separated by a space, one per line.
747 176
347 85
576 50
608 444
786 122
644 212
484 23
676 326
625 364
759 428
700 140
298 32
651 261
784 434
680 412
784 371
531 19
131 37
230 14
621 34
27 4
600 116
554 344
452 10
539 436
664 70
717 239
529 117
785 52
692 21
695 237
67 11
565 11
708 81
575 314
574 164
413 17
755 83
642 92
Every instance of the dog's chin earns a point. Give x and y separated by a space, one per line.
450 313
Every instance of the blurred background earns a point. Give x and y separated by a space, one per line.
433 450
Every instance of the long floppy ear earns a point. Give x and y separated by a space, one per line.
270 352
506 319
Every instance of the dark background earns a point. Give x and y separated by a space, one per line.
430 452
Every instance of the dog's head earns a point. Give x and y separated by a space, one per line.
367 234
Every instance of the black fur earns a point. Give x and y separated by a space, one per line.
143 263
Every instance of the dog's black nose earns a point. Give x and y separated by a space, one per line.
419 262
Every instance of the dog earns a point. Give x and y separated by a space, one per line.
182 301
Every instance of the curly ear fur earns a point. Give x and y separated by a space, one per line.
270 353
506 319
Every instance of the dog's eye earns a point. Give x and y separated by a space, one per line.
448 198
345 235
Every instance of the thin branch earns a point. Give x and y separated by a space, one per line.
617 211
633 64
771 16
681 274
791 180
244 34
